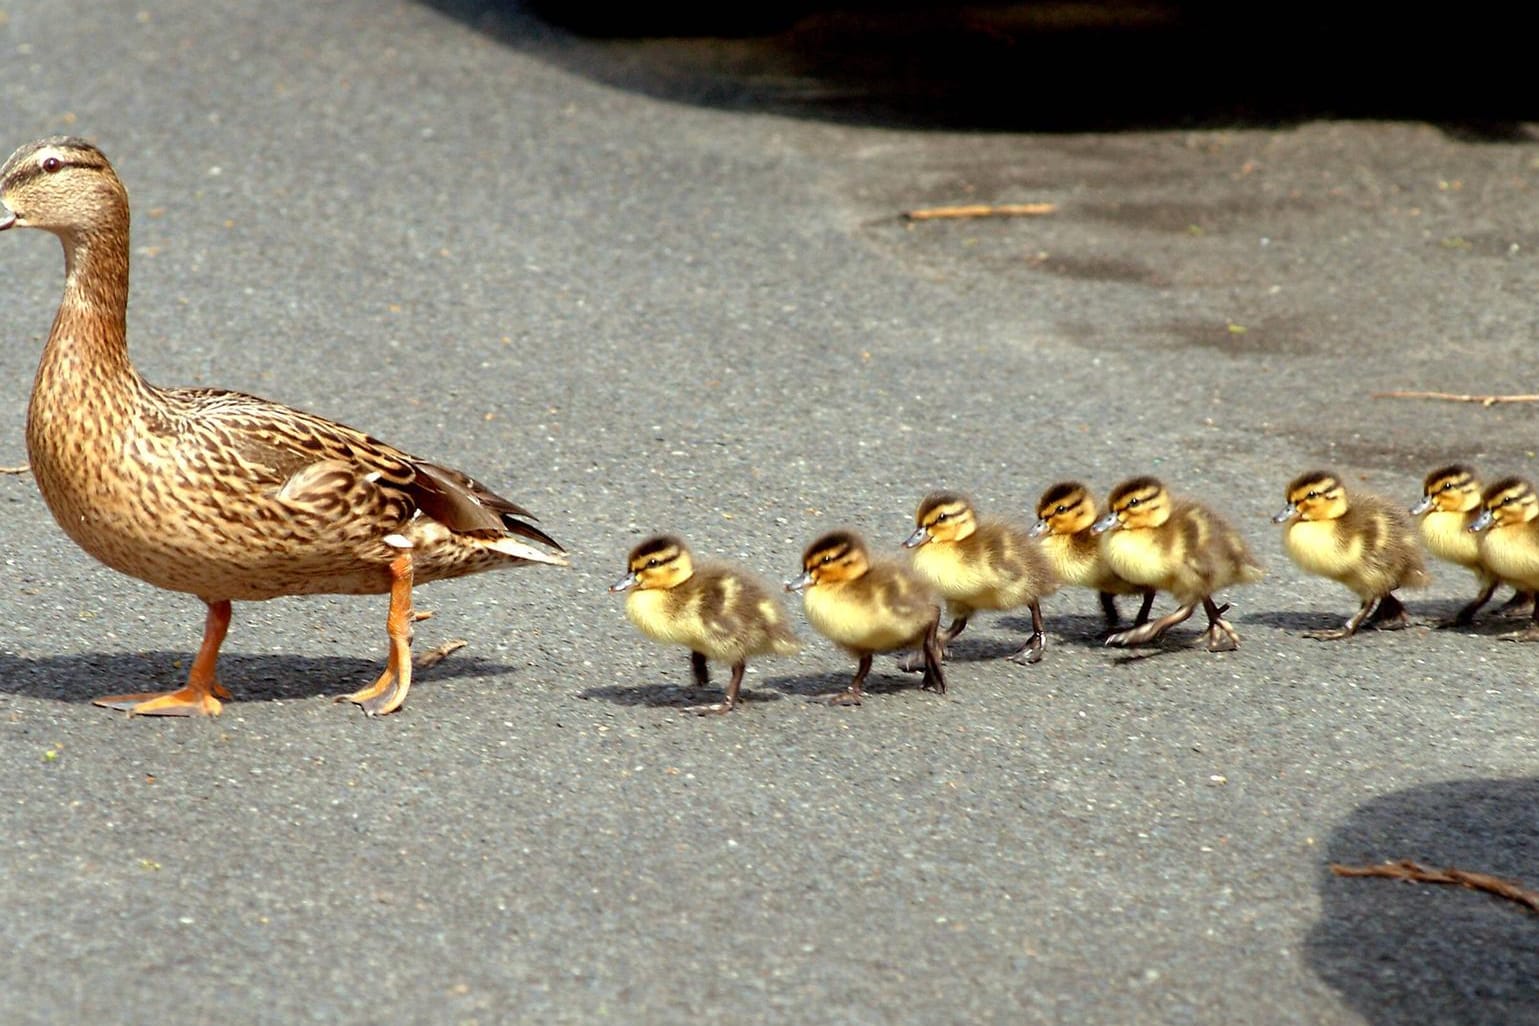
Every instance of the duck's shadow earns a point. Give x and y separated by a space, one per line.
675 696
1434 616
250 678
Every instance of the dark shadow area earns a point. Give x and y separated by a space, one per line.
250 678
1044 66
671 695
1404 954
885 679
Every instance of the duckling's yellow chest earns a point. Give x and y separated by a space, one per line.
1321 547
1446 536
659 615
952 574
1512 553
1138 556
857 621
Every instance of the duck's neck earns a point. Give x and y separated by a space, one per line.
88 346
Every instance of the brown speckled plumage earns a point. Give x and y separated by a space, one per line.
220 494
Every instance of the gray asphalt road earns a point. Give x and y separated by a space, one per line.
642 286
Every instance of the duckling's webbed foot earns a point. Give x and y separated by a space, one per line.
1520 606
1346 630
853 694
1530 633
1389 615
1031 652
1220 636
388 692
1466 614
729 701
917 660
1150 631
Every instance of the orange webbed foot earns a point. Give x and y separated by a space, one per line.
189 701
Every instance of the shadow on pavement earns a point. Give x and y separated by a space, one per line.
1405 954
250 678
1120 64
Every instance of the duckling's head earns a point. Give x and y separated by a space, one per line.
1140 502
662 561
1065 508
837 556
1317 495
1508 502
1451 489
942 517
62 185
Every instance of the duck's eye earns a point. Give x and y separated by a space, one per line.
1061 509
653 564
52 164
1133 502
1312 495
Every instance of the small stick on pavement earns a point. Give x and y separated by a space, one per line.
1454 397
1405 869
434 656
24 468
980 210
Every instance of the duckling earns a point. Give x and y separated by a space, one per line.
1154 540
220 494
1509 542
1065 514
1450 502
978 563
866 606
1361 540
715 610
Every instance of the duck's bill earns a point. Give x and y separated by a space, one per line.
799 583
7 219
625 583
1106 523
1285 514
1483 521
918 538
1038 529
1421 507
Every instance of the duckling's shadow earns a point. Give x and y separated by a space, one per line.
1081 631
885 679
1301 622
250 678
675 696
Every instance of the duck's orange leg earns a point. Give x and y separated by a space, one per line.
203 691
388 692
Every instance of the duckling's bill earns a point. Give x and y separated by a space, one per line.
625 583
918 538
1106 523
7 218
1285 514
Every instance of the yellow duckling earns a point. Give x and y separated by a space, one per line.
220 494
1155 540
1362 541
1509 542
1450 503
1065 515
867 606
978 563
715 610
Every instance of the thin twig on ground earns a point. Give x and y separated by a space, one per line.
1455 397
436 655
1406 869
967 210
23 469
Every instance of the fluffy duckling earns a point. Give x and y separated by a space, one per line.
1362 541
1450 502
1154 540
715 610
1509 541
867 606
1065 514
975 563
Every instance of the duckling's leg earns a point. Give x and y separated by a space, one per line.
1144 607
917 660
1466 615
1389 615
700 669
1031 652
1221 637
388 692
1520 605
1145 633
201 695
934 668
853 694
1109 610
1530 633
1351 626
729 702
